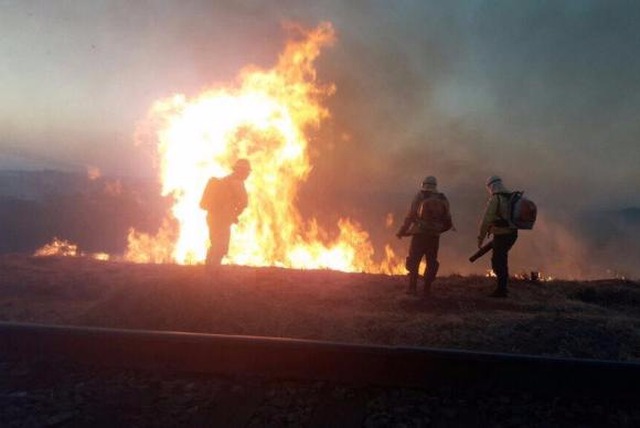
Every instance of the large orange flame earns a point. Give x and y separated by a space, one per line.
263 118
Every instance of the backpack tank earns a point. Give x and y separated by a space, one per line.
433 214
523 211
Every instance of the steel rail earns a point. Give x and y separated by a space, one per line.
285 358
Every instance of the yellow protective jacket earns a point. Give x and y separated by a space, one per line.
495 217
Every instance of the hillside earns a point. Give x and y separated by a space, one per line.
96 214
596 319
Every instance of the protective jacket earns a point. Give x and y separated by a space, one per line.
411 226
224 199
495 220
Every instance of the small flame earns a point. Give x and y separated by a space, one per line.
616 274
533 276
57 247
63 248
100 256
389 220
93 173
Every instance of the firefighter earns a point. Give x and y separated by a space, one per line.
224 199
496 222
428 217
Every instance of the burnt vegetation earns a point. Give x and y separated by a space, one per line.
623 295
589 319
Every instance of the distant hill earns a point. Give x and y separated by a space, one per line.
40 185
36 206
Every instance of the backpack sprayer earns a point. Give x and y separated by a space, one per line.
482 251
522 215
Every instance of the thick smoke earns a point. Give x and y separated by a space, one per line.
543 93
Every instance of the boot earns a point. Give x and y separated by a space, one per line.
430 275
427 288
501 289
413 284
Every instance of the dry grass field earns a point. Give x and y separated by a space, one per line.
595 319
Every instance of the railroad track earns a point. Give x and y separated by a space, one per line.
280 358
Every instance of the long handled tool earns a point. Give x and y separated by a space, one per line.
482 251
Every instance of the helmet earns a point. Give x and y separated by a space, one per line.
242 165
493 179
429 183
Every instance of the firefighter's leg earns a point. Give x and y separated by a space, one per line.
213 239
500 262
499 267
432 244
219 243
413 263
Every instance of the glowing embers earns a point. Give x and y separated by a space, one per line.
533 276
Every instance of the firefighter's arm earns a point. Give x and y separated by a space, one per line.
241 203
488 219
409 218
453 226
244 201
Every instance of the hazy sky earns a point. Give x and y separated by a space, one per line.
546 93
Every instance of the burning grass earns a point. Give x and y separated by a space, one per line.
266 117
596 319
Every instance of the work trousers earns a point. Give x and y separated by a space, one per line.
219 235
500 257
427 246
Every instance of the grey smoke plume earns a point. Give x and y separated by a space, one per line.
543 93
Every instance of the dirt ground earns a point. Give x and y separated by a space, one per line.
595 319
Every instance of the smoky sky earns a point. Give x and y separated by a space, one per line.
544 93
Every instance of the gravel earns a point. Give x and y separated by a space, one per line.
43 392
597 319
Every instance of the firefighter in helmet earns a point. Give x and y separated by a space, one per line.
428 217
224 199
495 222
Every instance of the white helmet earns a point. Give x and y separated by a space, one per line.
429 183
493 179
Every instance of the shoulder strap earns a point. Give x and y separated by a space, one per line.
500 195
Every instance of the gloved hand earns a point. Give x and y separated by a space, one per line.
480 241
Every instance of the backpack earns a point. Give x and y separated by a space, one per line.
433 214
209 196
522 211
